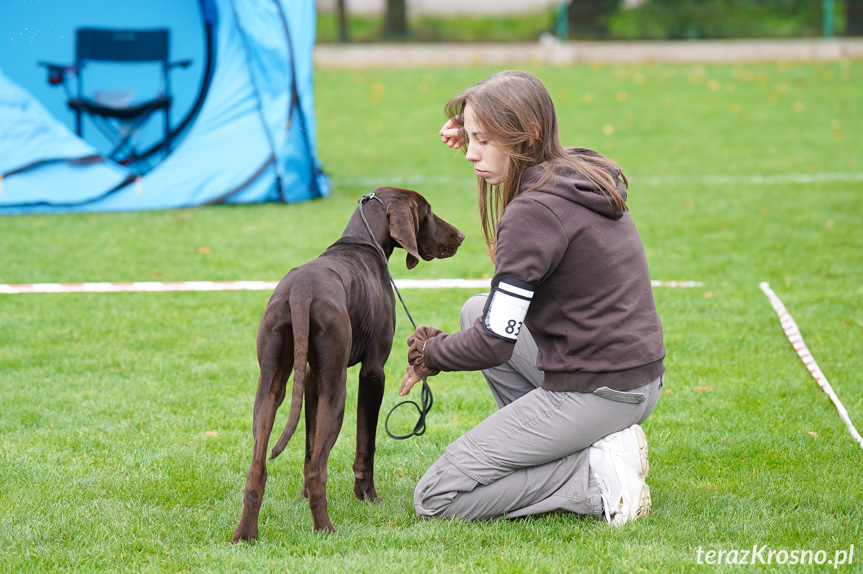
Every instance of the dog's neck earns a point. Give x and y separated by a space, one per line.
376 216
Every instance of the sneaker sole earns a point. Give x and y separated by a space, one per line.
644 503
641 439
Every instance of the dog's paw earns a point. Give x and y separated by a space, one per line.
365 491
245 535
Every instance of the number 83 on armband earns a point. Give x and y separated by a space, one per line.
507 306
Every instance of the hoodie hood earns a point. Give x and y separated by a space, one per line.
569 183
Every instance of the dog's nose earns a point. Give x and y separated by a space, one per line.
460 237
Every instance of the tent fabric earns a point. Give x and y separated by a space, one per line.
253 139
44 151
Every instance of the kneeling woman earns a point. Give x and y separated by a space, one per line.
568 339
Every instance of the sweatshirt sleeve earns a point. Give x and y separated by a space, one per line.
531 242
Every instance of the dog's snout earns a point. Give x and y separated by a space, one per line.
451 245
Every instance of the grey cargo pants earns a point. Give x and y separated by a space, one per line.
532 455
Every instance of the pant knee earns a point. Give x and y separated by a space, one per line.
430 502
471 310
439 488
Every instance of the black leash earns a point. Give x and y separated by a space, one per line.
426 399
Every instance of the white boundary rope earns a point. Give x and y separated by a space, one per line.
707 179
160 286
149 286
796 339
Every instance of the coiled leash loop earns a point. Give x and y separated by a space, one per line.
426 398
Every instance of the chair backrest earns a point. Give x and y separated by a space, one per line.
122 45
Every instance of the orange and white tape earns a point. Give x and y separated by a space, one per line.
152 286
157 286
796 340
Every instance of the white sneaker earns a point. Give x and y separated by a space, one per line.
619 465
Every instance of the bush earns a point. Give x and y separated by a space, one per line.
693 19
508 28
590 18
609 19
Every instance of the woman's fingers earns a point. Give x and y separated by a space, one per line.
408 381
451 133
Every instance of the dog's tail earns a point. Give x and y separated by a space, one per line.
300 324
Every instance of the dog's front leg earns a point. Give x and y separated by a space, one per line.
371 394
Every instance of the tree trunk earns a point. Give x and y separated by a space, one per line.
343 22
395 21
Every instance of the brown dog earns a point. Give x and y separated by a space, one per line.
334 312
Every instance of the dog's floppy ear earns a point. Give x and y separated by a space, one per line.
404 226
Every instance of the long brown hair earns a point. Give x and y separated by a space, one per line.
517 115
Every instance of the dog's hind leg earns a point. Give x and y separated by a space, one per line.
330 416
311 403
276 366
329 362
371 394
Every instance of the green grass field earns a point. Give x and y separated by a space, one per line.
125 428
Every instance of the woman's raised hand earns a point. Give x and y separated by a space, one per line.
451 133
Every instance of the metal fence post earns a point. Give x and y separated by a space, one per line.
563 21
829 19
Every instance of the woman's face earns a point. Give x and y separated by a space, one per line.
488 160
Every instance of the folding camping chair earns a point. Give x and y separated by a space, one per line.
119 120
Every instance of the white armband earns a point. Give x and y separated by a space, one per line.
507 306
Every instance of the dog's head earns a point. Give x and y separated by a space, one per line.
414 226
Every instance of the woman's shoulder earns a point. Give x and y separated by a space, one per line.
583 151
565 166
539 204
595 158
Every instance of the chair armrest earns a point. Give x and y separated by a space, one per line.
54 66
57 72
180 64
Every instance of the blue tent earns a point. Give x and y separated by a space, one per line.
243 121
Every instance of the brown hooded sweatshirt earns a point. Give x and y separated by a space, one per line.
592 312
